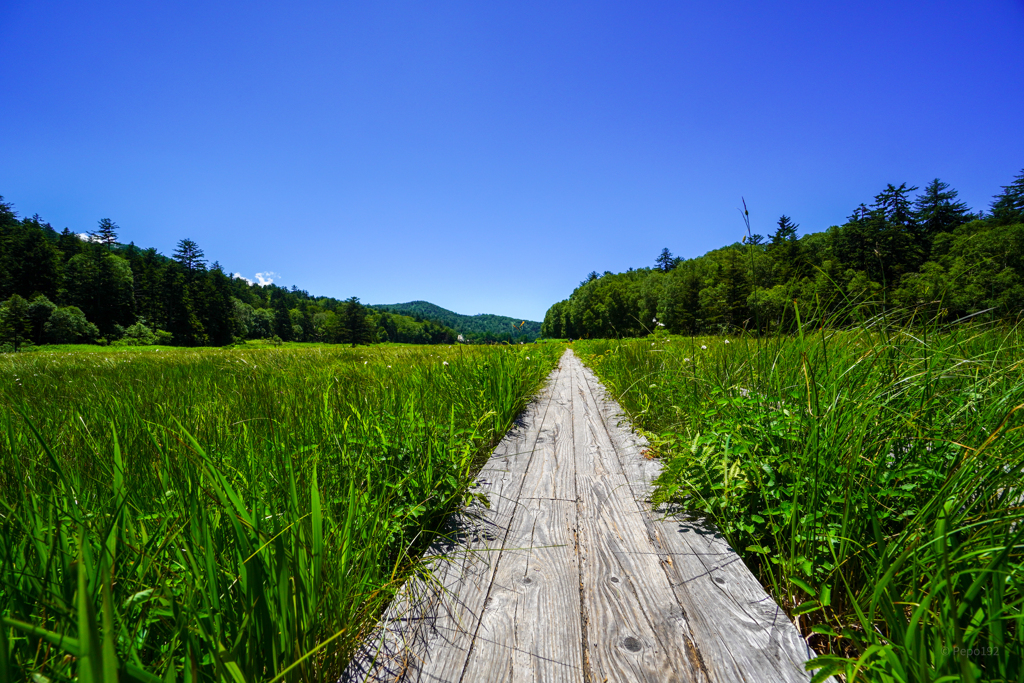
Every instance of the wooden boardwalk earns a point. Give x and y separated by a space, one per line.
569 576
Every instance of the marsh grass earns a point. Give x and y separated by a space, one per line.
871 477
230 515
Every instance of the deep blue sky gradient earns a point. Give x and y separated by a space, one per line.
486 156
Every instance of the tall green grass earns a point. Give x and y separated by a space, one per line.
230 515
872 478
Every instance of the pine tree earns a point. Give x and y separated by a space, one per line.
181 311
897 243
665 262
29 262
105 233
283 320
69 244
1008 206
785 251
353 325
786 231
936 210
190 256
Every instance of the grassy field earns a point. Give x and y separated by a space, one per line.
871 478
241 514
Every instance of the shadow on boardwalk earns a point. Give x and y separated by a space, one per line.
569 575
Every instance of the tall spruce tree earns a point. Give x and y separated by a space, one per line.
353 325
1008 205
784 250
896 240
105 233
190 256
665 261
936 211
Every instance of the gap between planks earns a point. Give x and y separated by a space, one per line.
569 576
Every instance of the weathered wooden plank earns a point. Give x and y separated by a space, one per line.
530 627
741 633
635 628
713 571
425 634
569 575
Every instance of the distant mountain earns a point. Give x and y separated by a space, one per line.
482 326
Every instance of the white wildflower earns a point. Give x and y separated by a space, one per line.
686 360
444 362
701 346
726 341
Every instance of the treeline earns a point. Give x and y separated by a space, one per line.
62 288
927 251
482 328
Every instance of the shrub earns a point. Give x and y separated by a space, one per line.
68 325
138 335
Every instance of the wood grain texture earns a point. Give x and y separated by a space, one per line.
426 633
740 631
636 629
530 627
570 576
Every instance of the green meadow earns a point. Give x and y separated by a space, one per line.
870 477
230 514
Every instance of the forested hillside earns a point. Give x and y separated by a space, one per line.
481 327
924 251
62 288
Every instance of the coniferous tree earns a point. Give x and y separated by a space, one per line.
894 204
282 320
181 312
665 262
353 326
15 324
148 270
217 307
68 244
737 289
29 261
102 286
784 250
190 256
937 210
1008 205
880 241
105 234
786 231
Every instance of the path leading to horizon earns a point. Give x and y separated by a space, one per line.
570 576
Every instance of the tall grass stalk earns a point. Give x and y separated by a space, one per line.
219 515
871 477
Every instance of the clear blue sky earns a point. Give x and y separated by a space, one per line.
486 156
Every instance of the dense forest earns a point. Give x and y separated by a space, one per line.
925 252
64 288
484 327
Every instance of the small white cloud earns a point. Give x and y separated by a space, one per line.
86 237
239 276
267 278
